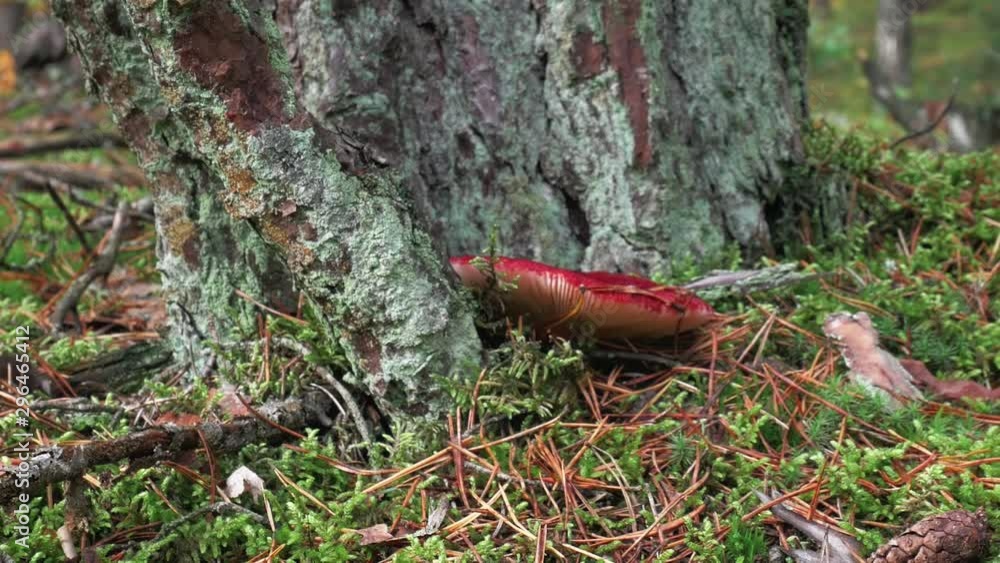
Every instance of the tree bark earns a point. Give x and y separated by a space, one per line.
622 135
11 14
250 195
894 40
612 134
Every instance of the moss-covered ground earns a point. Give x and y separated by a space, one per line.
602 458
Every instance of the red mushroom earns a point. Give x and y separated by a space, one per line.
604 304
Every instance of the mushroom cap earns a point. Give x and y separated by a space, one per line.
605 304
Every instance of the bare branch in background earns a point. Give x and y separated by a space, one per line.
101 266
24 146
38 173
11 237
968 128
69 217
933 124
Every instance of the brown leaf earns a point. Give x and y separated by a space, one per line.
287 208
379 533
953 537
8 72
949 390
877 370
230 403
180 419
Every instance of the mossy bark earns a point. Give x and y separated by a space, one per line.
610 134
252 195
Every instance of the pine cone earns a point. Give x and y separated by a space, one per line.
953 537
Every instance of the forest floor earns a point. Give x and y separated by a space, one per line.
558 451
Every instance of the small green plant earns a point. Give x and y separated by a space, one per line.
526 378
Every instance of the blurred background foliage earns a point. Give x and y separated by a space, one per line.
952 39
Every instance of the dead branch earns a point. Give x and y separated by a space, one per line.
352 406
69 218
56 464
19 147
214 508
835 545
121 371
720 283
931 126
85 176
101 266
79 405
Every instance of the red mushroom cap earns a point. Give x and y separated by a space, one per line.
611 305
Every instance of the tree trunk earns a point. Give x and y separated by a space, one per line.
614 134
251 196
894 40
11 14
621 135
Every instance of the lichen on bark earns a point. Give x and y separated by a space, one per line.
217 96
620 135
202 253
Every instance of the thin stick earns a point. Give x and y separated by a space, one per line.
100 267
932 126
69 217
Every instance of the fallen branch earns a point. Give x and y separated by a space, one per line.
19 147
69 217
214 508
55 464
80 405
352 406
101 266
836 546
85 176
121 371
720 283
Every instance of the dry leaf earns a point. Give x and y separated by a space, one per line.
379 533
8 72
435 519
230 402
949 390
872 367
952 537
287 208
244 480
179 419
